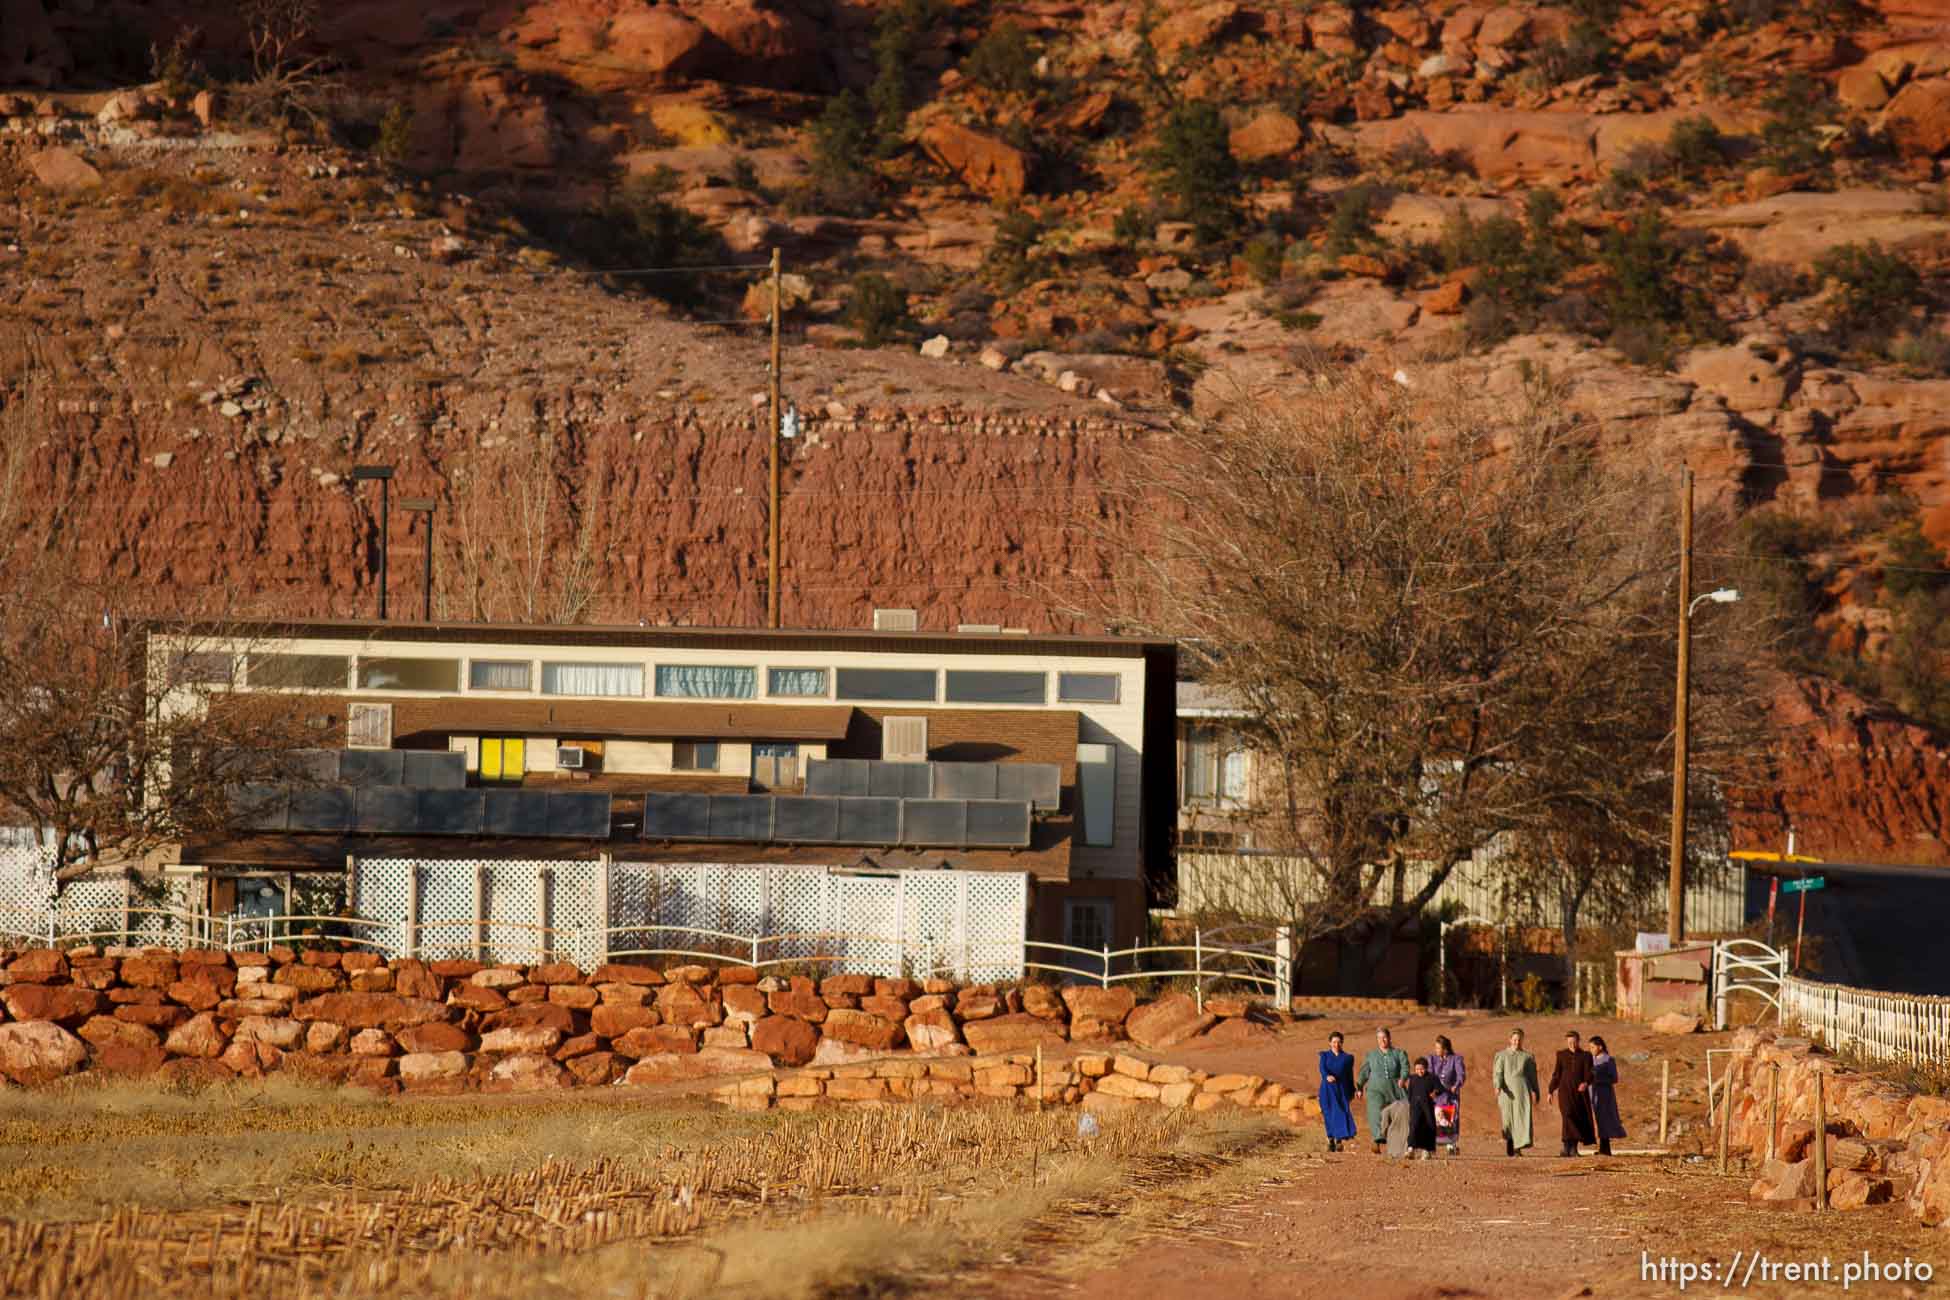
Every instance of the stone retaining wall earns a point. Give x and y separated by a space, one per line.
444 1026
1098 1082
1883 1143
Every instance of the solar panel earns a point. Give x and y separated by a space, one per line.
899 780
1038 783
260 807
579 815
371 766
934 823
432 769
321 809
998 824
837 777
385 810
516 812
450 812
964 780
746 817
314 766
676 816
805 820
869 821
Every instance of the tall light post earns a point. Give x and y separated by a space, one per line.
383 475
1676 883
424 506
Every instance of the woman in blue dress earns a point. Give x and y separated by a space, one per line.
1336 1092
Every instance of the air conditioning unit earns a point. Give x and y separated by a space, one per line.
368 726
570 757
904 740
895 620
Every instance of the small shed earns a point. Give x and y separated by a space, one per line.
1650 984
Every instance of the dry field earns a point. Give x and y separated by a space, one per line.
125 1191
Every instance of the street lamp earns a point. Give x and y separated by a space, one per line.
1676 883
424 506
383 475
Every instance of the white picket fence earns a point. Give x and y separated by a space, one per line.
1896 1027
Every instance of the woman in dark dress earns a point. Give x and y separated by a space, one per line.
1422 1088
1336 1092
1604 1095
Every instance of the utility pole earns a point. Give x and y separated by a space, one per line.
1676 882
383 475
772 565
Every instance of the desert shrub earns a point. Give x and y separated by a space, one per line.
744 175
1775 283
1133 224
877 308
1926 352
1790 140
1011 258
842 159
1194 173
1265 257
1875 291
1585 49
1653 295
897 37
1518 265
1916 586
176 67
653 230
1695 147
395 139
1004 61
1350 224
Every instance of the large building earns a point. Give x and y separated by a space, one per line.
763 754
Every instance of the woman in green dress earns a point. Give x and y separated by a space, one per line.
1383 1080
1514 1076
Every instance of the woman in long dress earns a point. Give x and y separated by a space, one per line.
1337 1092
1384 1073
1446 1065
1422 1088
1604 1095
1514 1076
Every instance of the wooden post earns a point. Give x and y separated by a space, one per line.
1039 1076
772 549
1774 1110
412 935
1676 868
1726 1112
1665 1097
1821 1143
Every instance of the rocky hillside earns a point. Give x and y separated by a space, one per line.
1720 229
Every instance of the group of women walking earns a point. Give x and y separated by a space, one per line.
1415 1106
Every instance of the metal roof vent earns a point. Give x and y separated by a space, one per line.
990 628
895 620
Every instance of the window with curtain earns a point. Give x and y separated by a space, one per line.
706 681
796 681
409 674
1215 766
694 755
592 679
499 675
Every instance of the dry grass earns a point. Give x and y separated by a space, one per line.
287 1189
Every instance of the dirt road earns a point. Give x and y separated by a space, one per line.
1353 1225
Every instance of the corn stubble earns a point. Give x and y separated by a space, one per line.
821 1204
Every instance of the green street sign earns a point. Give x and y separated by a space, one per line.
1801 886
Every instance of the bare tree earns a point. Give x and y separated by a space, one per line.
290 77
1446 620
521 544
109 749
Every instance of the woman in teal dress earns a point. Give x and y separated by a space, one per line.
1383 1080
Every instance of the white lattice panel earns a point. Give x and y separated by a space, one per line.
801 907
931 925
866 910
26 884
996 912
447 908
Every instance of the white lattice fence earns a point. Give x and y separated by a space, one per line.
26 883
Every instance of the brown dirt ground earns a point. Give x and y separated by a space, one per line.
1481 1224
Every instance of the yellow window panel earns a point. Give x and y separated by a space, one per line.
514 759
490 759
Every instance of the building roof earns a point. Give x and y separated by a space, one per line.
722 638
1197 700
687 719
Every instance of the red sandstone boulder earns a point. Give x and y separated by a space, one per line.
199 1036
985 164
529 1039
576 997
107 1031
621 973
38 965
539 1013
62 1003
191 1072
148 971
686 1004
413 979
1011 1033
667 1067
379 1043
153 1017
456 968
38 1052
978 1006
580 1045
1917 120
529 993
799 1004
477 997
743 1003
1270 134
370 1010
655 1039
423 1068
195 994
309 979
1085 1029
1044 1002
1165 1023
434 1037
786 1040
615 1021
863 1029
525 1072
1087 1001
315 1067
929 1031
596 1069
555 972
661 42
280 1032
